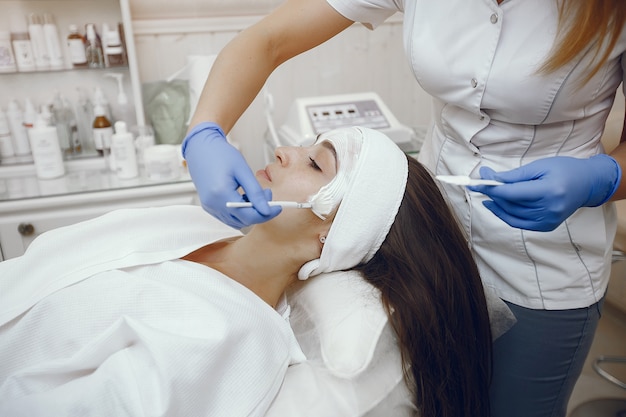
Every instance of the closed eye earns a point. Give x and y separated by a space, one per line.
313 164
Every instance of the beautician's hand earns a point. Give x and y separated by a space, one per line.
542 194
217 170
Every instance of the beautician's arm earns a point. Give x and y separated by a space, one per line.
244 65
619 153
217 169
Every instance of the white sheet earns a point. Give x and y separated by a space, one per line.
168 338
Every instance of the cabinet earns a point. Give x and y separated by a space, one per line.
41 85
29 206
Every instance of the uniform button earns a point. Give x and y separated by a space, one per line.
494 18
474 82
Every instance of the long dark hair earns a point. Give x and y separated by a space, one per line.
431 289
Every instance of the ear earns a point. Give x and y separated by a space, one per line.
322 233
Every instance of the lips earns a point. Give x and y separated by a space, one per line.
264 174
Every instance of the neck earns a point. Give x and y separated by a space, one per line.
262 265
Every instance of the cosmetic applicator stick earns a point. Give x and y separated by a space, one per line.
287 204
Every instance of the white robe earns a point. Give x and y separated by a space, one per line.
94 323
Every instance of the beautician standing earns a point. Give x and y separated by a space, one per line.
521 91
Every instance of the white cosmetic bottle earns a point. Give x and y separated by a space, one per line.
6 142
38 40
53 44
18 130
7 59
44 143
123 152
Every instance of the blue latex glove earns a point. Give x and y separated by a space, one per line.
217 170
542 194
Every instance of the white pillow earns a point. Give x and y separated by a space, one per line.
342 313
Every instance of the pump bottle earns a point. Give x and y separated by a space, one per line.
47 156
123 152
122 109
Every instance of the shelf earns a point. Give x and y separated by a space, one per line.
86 175
62 71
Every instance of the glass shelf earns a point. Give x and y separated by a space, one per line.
63 70
85 175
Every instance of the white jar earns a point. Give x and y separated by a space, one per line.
162 162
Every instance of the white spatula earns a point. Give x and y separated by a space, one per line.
465 180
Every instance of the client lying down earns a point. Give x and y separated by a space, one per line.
167 312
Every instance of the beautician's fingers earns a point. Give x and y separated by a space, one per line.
547 191
218 170
250 216
523 188
254 193
517 222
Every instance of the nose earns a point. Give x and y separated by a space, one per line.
286 154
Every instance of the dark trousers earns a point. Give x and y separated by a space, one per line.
537 362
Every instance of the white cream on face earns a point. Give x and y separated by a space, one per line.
347 146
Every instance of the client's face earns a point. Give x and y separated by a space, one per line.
299 172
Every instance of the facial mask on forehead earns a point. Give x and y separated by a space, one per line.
347 148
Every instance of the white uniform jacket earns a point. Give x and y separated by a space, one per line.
479 61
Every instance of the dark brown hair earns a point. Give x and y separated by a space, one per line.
434 297
584 24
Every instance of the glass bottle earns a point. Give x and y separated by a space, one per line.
95 57
76 48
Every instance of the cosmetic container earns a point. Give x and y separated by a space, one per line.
15 117
47 156
38 40
123 152
53 45
6 141
76 48
7 59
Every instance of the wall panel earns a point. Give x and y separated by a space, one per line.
356 60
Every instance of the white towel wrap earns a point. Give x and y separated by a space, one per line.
370 204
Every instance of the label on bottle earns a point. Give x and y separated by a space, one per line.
102 137
47 154
7 63
76 48
24 56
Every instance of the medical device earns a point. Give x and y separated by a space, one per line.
310 116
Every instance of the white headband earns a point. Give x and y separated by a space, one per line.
369 206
